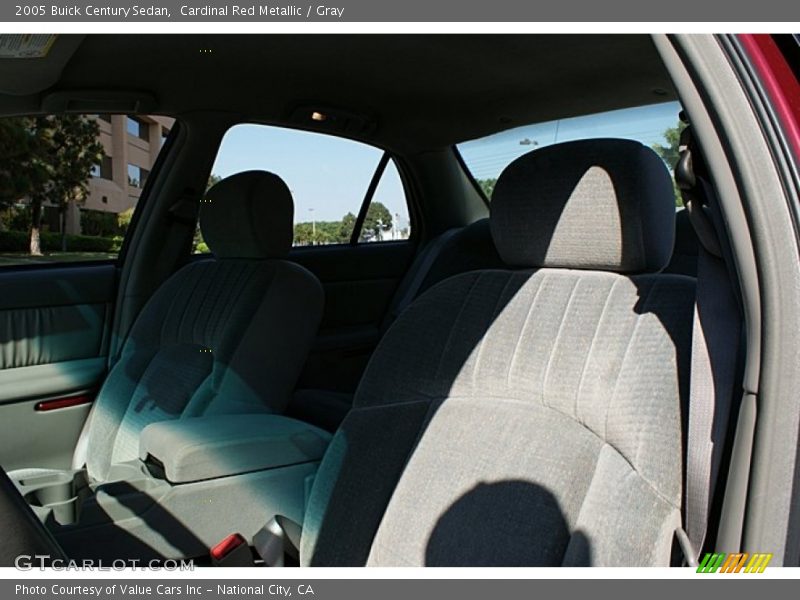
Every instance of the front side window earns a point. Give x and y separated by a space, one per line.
656 126
67 186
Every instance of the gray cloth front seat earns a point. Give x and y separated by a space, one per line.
221 336
530 415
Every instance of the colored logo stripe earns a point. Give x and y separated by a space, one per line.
734 563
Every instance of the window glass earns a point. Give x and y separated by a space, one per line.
138 128
134 176
656 126
72 202
106 168
328 177
387 217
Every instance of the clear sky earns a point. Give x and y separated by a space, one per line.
329 176
488 156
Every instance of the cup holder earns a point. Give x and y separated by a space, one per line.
60 493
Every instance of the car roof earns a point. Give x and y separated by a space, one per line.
419 91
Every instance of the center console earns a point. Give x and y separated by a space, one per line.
196 481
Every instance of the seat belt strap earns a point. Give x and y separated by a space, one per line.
715 342
716 331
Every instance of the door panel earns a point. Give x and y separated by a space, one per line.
39 439
359 283
54 325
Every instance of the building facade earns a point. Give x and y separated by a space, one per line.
131 145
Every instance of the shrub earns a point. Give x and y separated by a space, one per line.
99 223
15 218
124 221
19 241
14 241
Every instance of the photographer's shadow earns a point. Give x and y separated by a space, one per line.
506 524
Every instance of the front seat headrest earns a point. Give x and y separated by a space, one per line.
601 204
248 215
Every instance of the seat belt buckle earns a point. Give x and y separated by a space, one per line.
277 542
233 551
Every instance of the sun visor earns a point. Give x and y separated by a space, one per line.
31 63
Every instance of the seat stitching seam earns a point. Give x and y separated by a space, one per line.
211 330
270 287
243 280
482 344
554 346
522 329
604 441
198 278
624 360
586 361
583 500
464 302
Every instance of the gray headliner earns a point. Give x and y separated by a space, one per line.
426 91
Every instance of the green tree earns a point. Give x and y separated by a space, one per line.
308 234
487 185
212 181
320 232
346 227
670 152
19 147
67 149
376 223
124 221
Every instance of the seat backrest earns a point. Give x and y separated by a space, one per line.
533 415
223 335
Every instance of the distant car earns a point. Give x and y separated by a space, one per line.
462 300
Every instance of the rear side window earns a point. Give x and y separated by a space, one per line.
329 178
656 126
69 184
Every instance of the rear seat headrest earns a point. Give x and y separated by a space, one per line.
248 215
602 204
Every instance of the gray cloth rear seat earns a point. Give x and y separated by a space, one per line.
530 415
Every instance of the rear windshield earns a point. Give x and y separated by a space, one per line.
655 125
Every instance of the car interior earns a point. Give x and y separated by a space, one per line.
510 382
